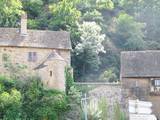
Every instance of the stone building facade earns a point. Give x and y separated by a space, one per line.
45 53
140 75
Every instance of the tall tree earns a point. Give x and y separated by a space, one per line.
129 33
64 15
87 50
9 12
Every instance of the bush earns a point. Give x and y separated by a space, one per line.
104 108
10 100
39 103
108 76
118 113
69 79
73 97
29 100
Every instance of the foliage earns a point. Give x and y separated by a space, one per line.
64 14
110 60
94 113
74 96
93 16
33 7
69 79
40 103
33 24
90 45
10 100
118 113
105 4
10 104
85 5
98 109
90 36
9 12
130 35
104 108
84 88
29 100
108 76
71 89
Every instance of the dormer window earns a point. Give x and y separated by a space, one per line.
32 56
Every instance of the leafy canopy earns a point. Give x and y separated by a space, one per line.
64 14
90 45
130 34
9 12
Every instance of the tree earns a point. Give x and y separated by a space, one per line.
86 5
21 100
33 7
64 14
10 100
90 45
93 16
149 13
40 103
129 33
146 11
9 12
35 10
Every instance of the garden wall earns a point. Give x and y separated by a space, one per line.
112 92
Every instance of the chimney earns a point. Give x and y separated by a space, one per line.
23 24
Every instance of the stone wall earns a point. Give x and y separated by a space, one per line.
138 87
20 55
113 93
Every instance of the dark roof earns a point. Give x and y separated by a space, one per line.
50 57
35 38
140 64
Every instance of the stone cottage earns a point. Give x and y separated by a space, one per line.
45 53
140 75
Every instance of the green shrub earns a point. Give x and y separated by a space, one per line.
39 103
29 100
104 108
6 83
108 76
10 100
74 97
69 79
118 113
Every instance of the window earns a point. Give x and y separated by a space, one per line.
156 83
50 72
32 56
155 86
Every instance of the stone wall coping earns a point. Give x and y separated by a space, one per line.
97 83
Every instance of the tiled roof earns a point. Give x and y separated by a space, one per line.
140 64
35 38
50 57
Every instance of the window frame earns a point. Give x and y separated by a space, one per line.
32 56
155 82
